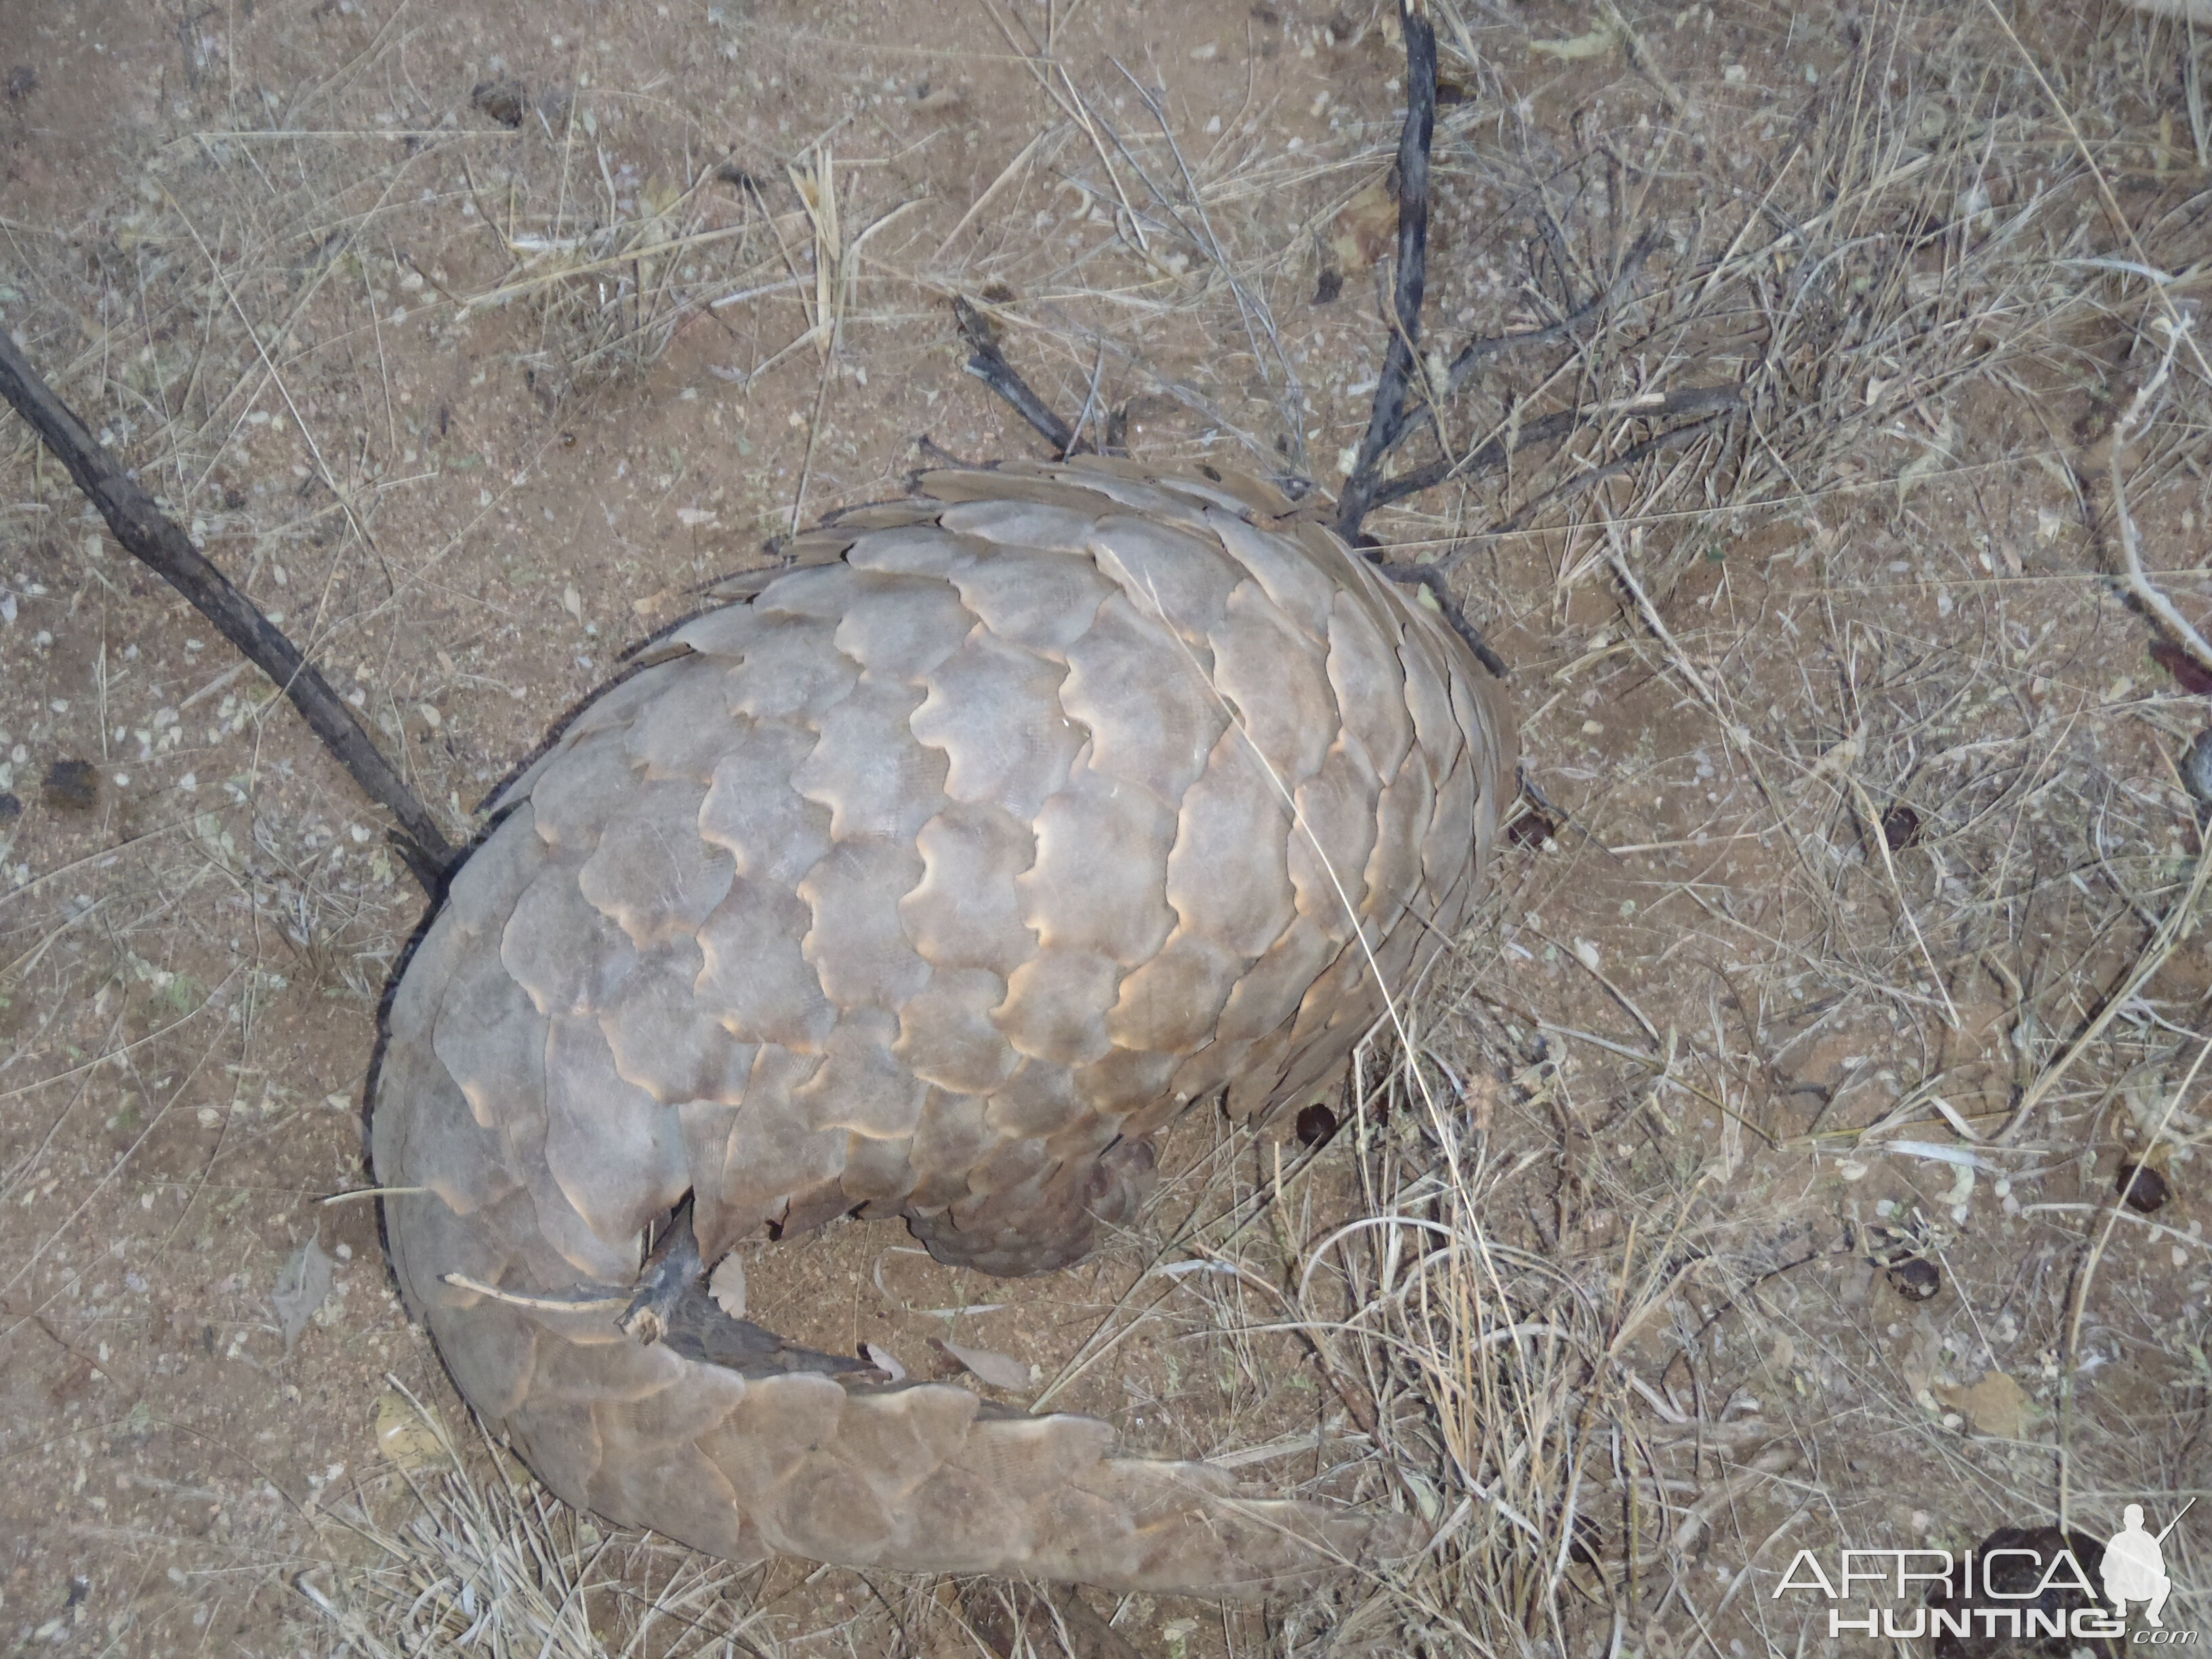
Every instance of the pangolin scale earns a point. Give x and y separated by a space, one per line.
926 879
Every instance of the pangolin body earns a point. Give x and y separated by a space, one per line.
927 882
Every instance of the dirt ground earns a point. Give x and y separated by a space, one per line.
1849 954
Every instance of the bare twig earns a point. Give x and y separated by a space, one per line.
1383 425
989 365
152 538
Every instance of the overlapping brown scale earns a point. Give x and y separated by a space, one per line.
1169 576
687 730
560 949
1062 525
757 983
588 778
1227 875
489 1037
751 810
823 589
767 1434
1039 1098
901 627
660 1041
953 1136
791 670
1170 1003
918 549
966 911
1302 592
615 1152
1277 682
855 944
1101 845
1369 682
651 871
1151 717
980 714
774 1152
1393 867
1056 1004
724 633
484 889
1041 601
877 782
1270 990
861 1086
1328 851
945 1034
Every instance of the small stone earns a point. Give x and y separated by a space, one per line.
22 81
1317 1125
1900 826
1915 1280
2140 1187
2196 768
10 809
71 785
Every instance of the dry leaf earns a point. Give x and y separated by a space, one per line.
1001 1370
403 1435
1365 228
1996 1405
883 1360
301 1288
726 1284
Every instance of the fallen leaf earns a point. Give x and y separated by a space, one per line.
1997 1406
726 1284
1001 1370
301 1289
883 1360
403 1435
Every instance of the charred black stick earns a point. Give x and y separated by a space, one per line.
989 365
1410 279
150 536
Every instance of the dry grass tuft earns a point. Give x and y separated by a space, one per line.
1860 923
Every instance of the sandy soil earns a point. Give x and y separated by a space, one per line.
471 339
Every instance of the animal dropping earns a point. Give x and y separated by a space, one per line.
927 879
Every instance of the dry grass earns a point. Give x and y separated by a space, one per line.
1606 1315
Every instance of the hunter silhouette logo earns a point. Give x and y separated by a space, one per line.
2135 1564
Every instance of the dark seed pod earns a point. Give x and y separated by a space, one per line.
1317 1125
1915 1280
2140 1187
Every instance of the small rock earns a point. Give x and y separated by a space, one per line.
22 81
2140 1187
1915 1280
71 785
10 809
502 101
2196 768
1317 1125
1900 825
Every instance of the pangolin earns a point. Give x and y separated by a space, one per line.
927 879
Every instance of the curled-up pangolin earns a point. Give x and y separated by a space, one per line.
928 882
